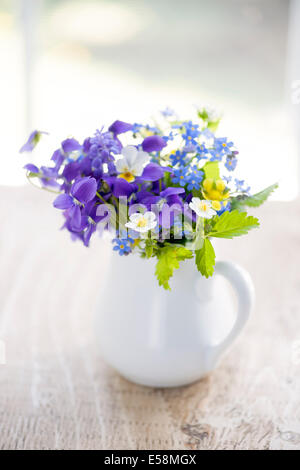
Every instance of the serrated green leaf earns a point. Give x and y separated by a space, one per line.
205 258
211 170
168 260
233 224
253 201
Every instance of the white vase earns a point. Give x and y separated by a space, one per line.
164 338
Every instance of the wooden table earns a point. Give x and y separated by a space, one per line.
55 391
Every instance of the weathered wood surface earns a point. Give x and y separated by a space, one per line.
55 391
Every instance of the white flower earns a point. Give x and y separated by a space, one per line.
142 222
202 208
132 163
213 114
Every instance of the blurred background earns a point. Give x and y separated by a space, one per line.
70 66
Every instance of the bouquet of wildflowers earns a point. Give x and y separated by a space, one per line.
165 190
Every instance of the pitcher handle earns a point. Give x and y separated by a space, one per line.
240 279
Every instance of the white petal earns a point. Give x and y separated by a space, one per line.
195 200
208 214
122 165
212 212
135 217
153 224
141 159
130 153
150 216
194 207
130 225
142 229
137 169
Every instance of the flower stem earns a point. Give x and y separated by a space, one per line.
41 187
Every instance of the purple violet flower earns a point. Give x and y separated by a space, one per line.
153 143
119 127
32 141
82 192
152 172
32 168
70 145
120 187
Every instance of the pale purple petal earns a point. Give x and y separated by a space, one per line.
75 218
153 143
149 200
152 172
119 127
71 170
171 191
58 158
85 189
122 188
63 201
69 145
32 168
32 141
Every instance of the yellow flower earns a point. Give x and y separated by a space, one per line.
220 185
215 190
216 205
208 184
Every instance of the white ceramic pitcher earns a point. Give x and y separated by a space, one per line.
164 338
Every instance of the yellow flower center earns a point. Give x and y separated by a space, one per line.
203 206
223 145
142 222
121 246
128 176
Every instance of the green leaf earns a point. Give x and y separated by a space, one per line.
205 258
253 201
168 260
202 114
167 179
213 125
31 174
211 170
232 224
